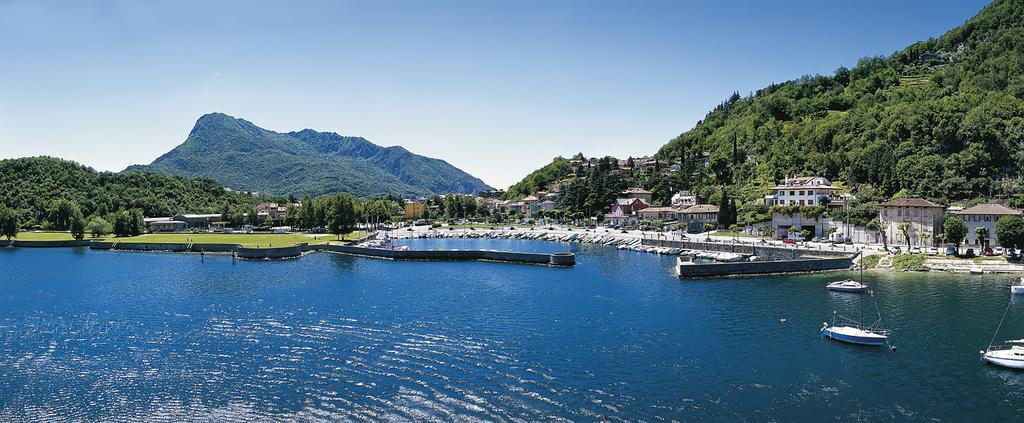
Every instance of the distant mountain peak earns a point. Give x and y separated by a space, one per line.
243 156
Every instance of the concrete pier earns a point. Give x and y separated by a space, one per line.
557 259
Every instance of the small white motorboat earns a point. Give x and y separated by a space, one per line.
847 285
1010 357
1018 288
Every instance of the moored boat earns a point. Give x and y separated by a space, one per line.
847 285
1017 289
855 334
1010 357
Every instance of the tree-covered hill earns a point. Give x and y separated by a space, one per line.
32 185
243 156
941 119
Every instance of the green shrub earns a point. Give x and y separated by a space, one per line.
909 262
871 261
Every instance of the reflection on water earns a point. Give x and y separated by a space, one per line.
166 337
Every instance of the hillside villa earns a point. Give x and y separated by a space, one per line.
803 191
640 194
923 218
695 217
273 212
624 212
984 216
684 199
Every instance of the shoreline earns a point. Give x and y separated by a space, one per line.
631 241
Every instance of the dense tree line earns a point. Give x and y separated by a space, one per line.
342 213
40 190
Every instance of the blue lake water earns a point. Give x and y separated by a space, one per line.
92 335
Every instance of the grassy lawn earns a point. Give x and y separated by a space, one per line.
42 236
247 240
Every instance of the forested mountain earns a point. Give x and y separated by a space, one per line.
243 156
32 185
941 119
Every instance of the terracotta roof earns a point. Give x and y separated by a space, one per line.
657 210
530 198
909 202
990 209
701 208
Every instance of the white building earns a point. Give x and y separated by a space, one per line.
804 191
984 216
684 199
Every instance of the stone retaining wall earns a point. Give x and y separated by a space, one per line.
268 253
698 270
50 244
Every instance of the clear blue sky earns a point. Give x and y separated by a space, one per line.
495 88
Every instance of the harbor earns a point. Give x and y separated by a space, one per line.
656 347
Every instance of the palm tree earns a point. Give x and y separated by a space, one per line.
905 229
981 235
925 237
876 225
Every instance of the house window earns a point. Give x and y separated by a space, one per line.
926 212
801 202
916 211
964 218
899 212
986 218
801 193
810 202
792 193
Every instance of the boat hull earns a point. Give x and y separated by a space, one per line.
846 286
873 340
841 289
1017 290
994 357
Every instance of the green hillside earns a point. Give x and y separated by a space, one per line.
243 156
941 119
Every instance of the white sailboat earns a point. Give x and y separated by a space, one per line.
853 331
1011 356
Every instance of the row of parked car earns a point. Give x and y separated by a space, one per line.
952 251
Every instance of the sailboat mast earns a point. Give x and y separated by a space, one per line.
862 310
